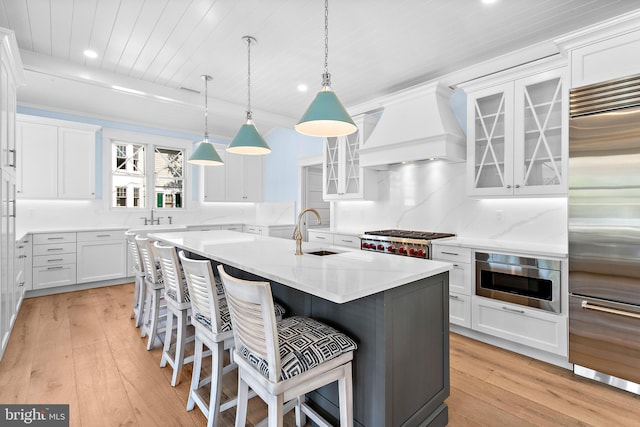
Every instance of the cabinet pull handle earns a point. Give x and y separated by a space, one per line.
58 267
20 247
587 306
347 241
13 214
22 256
20 284
513 310
13 164
320 238
508 186
55 260
454 297
54 249
103 235
517 185
55 238
450 253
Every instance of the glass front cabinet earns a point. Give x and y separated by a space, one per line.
517 140
343 177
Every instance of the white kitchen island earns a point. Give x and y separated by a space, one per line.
395 307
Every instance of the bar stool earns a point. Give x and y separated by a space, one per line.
154 289
282 361
210 318
139 284
178 306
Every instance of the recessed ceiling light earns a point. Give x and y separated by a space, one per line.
90 54
489 1
302 87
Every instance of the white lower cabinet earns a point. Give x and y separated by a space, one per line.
531 327
460 283
101 255
460 309
348 240
54 260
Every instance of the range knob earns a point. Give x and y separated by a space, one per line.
401 250
412 251
420 253
380 247
365 245
390 248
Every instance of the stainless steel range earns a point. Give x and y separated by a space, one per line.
401 242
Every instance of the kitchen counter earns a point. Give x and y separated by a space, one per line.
396 308
340 278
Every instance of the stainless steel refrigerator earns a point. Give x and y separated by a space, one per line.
604 232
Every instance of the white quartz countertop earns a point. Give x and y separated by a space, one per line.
340 278
541 249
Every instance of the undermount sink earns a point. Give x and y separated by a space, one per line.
322 252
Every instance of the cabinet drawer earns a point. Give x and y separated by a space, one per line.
54 259
89 236
537 329
49 277
57 248
451 253
321 237
460 278
41 239
460 309
346 240
252 229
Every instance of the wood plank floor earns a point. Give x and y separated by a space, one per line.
82 348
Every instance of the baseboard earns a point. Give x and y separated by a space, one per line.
77 287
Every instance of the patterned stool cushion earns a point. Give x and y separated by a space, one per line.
225 317
185 291
304 344
219 288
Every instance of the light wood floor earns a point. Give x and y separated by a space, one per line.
81 348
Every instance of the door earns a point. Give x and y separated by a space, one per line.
37 158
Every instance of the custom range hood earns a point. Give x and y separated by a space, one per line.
415 125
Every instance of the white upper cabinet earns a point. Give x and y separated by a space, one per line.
56 160
238 180
603 51
344 179
215 181
517 140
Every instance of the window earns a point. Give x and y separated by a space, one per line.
133 184
121 196
128 179
169 184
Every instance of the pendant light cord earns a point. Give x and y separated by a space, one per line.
206 107
249 78
326 77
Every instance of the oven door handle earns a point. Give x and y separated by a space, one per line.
587 306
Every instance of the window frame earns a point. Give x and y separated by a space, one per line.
150 143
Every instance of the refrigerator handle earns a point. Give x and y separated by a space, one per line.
587 306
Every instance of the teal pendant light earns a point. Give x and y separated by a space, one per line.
205 154
326 116
248 139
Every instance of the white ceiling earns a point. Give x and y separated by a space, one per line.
159 47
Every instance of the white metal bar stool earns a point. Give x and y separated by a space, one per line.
176 296
281 361
139 284
210 318
154 290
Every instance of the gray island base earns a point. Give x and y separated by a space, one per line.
401 366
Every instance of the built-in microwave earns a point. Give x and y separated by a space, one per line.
532 282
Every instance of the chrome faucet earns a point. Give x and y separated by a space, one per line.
296 231
153 220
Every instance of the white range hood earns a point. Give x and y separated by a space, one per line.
416 125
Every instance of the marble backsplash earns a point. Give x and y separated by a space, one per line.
431 196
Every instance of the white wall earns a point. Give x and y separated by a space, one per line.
431 196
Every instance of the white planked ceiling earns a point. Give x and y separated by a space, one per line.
159 47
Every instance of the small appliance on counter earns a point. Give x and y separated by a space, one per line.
401 242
